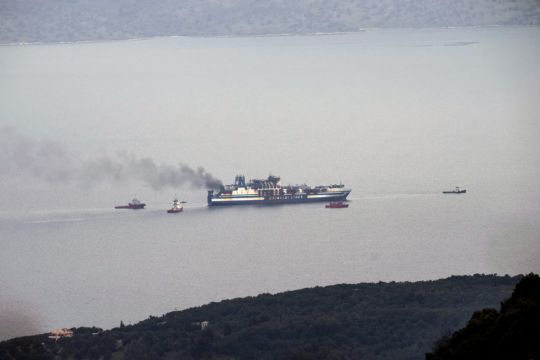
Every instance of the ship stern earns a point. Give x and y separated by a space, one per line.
210 196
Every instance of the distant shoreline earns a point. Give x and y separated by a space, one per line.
269 35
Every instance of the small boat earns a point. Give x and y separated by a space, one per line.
176 207
133 205
336 205
457 190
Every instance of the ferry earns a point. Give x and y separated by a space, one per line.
269 191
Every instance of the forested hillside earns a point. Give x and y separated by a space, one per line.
77 20
513 332
358 321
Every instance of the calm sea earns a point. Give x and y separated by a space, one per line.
397 115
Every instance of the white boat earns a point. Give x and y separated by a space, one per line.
176 207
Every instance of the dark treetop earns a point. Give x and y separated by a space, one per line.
511 333
368 321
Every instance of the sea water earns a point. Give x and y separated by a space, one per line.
396 115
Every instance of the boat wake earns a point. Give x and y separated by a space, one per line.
394 196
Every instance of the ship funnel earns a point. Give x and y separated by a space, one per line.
240 181
274 179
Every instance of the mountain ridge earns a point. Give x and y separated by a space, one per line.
78 20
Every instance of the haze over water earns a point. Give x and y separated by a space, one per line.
396 115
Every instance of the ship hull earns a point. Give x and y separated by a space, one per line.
276 200
131 207
338 205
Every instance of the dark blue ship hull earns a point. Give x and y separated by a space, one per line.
274 200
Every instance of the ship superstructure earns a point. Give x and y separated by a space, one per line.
457 190
176 207
269 191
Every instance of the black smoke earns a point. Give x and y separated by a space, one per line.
52 162
18 319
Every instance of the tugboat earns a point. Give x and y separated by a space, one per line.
133 205
457 190
336 205
176 207
269 191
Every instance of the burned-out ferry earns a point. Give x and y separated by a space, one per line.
270 192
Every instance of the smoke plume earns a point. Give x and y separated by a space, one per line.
52 162
18 319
